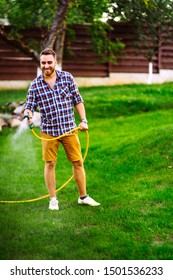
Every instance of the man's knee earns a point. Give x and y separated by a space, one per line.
78 163
50 164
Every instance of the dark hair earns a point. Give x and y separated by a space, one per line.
48 51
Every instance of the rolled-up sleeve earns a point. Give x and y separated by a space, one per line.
31 103
77 98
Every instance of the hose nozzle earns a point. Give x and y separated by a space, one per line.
26 116
31 126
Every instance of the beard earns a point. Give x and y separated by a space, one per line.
48 72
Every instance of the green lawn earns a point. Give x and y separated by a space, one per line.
129 170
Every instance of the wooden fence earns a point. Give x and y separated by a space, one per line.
83 62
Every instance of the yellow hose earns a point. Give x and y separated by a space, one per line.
54 138
68 181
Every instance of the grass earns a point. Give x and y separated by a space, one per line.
129 171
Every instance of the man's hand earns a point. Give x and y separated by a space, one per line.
83 126
28 113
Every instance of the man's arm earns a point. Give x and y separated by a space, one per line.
81 112
30 105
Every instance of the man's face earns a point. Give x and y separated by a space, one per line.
47 64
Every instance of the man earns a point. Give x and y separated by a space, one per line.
55 94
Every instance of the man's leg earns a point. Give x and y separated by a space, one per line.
79 176
49 176
72 147
49 152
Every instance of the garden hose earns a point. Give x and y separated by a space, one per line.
68 181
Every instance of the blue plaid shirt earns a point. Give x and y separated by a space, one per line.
56 106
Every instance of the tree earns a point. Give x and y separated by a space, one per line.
23 14
54 15
57 15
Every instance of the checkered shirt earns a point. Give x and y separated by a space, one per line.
56 106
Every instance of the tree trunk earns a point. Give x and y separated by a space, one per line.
57 25
59 48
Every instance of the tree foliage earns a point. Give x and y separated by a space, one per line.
151 18
150 12
24 14
58 15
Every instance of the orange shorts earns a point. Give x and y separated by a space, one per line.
70 143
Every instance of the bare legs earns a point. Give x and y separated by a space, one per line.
49 176
79 176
